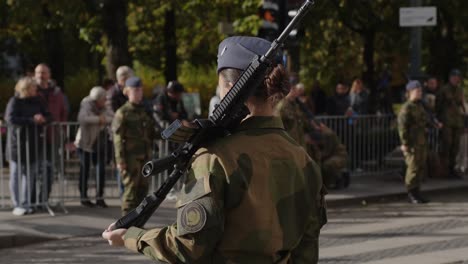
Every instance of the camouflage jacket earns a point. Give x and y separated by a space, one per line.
330 145
412 124
294 120
133 133
252 197
449 106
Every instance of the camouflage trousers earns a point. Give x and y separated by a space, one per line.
416 167
135 185
332 169
449 146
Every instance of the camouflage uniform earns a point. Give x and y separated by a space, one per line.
334 157
412 123
449 109
252 197
294 120
133 134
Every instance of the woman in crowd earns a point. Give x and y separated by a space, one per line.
26 112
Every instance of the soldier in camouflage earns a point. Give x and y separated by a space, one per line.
334 159
254 196
450 111
296 123
412 124
133 135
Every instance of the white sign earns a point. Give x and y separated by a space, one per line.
418 16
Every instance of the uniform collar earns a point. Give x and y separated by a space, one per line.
262 122
132 105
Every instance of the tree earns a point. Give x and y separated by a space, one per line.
114 18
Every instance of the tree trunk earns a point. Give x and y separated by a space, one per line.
115 27
54 47
368 57
170 45
443 47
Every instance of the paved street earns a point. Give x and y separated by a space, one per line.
399 233
394 232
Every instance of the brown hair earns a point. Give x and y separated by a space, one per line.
275 86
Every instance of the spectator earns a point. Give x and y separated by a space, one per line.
92 142
359 98
133 134
317 100
430 92
117 98
55 103
51 94
215 100
169 105
450 111
26 111
339 104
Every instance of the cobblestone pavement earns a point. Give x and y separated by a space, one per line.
394 232
398 232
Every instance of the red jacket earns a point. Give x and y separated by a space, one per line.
54 99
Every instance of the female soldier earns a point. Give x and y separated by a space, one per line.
251 197
412 122
134 132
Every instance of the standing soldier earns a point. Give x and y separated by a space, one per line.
134 132
297 123
334 159
412 122
450 111
254 196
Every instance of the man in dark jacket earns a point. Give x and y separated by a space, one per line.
339 104
117 97
169 105
54 100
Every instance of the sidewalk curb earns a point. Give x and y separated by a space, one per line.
12 240
380 198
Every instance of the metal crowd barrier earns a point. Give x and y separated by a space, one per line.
372 143
58 162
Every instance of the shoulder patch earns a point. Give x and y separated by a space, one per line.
193 217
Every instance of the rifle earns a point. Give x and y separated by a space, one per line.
226 116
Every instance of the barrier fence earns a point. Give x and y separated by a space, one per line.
50 162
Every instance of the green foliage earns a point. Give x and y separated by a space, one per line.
78 86
201 80
150 76
7 90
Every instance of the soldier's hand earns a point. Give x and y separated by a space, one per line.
439 125
114 237
404 148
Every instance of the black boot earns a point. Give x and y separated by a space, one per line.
87 203
454 175
346 179
421 198
100 203
413 197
